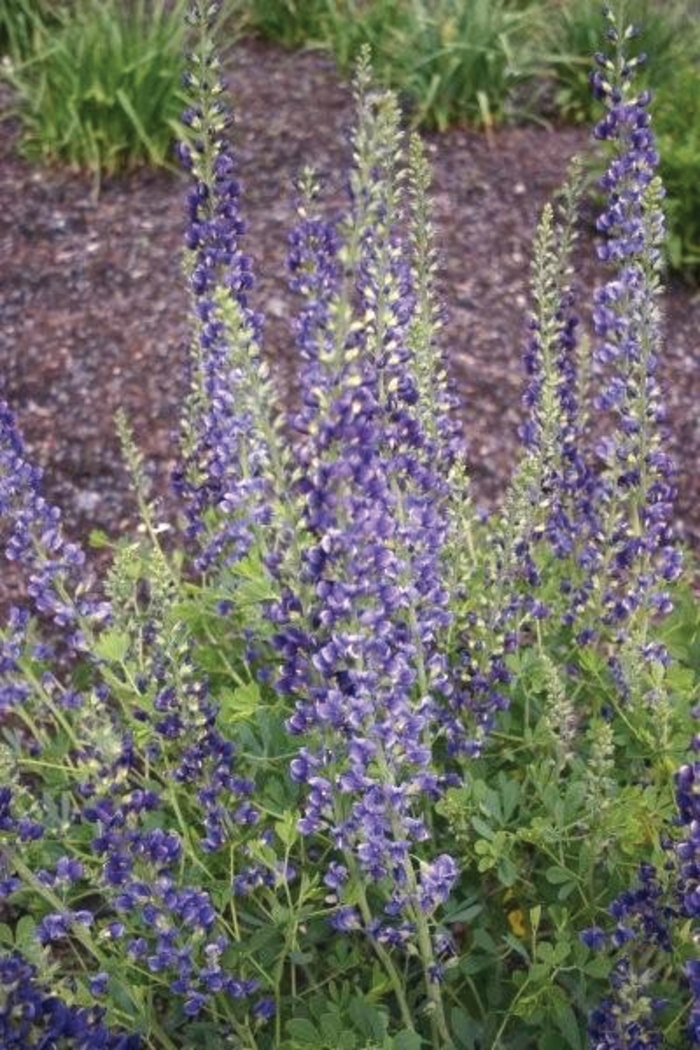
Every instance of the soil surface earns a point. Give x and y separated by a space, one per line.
94 310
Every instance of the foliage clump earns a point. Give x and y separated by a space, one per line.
97 82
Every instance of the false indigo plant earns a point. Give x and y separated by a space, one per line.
349 765
636 494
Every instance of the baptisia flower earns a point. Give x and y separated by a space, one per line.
640 556
33 1015
57 582
359 632
230 447
628 1016
687 850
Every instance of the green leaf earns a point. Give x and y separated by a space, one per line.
510 793
484 940
251 582
122 995
304 1031
25 931
566 1022
466 1032
598 967
556 875
507 872
370 1021
99 540
517 946
545 951
475 964
491 806
407 1040
332 1027
566 890
241 703
464 913
483 829
287 829
113 646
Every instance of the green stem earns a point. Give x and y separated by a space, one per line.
383 955
438 1021
56 712
497 1045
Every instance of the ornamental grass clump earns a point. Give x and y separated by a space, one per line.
97 82
336 760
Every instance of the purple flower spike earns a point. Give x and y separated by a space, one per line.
687 853
639 476
628 1016
228 429
57 581
360 632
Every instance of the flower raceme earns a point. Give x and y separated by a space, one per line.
230 449
57 582
358 634
641 556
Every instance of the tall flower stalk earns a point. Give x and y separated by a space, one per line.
638 559
232 472
640 556
358 633
542 512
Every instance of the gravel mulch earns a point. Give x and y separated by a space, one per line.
94 315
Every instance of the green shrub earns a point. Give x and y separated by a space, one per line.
677 117
454 60
450 60
288 22
102 90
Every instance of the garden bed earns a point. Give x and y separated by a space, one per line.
356 770
92 303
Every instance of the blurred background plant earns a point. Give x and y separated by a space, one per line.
19 22
292 23
487 61
572 34
671 43
677 116
98 82
450 60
